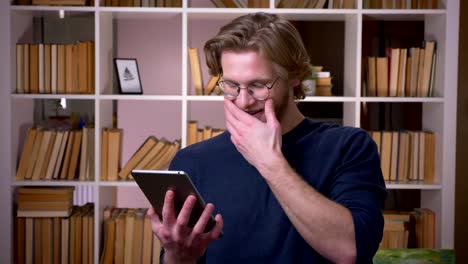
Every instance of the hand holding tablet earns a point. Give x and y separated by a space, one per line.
155 184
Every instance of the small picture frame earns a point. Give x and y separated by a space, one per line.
128 76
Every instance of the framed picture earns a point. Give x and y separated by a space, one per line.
128 76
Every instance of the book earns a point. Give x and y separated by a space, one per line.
75 152
69 68
147 239
56 224
34 68
19 68
382 76
60 155
429 50
104 153
371 76
41 155
26 154
82 56
29 237
211 85
20 239
41 63
48 154
429 157
197 78
67 156
120 237
114 153
192 128
61 69
53 69
138 236
47 68
65 240
47 240
414 255
26 62
129 230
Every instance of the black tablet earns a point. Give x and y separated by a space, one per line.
155 183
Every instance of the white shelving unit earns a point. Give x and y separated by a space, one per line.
167 90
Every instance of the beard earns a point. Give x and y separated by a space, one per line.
281 105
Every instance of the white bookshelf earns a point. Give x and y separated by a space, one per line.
189 25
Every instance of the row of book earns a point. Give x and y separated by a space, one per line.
56 239
211 87
55 68
196 134
128 237
336 4
415 229
143 3
400 4
44 202
57 154
406 155
56 2
403 72
153 154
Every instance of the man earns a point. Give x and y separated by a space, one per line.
287 189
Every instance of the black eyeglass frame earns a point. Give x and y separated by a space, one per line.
248 90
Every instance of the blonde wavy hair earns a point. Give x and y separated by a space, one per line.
273 37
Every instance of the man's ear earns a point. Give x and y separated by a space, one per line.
293 83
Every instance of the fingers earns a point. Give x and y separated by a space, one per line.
168 213
214 234
186 211
270 112
237 113
203 220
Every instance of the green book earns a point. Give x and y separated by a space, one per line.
414 256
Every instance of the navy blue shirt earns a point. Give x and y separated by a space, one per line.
342 163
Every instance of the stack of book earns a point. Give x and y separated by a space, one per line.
406 155
57 154
50 239
153 154
45 201
196 134
143 3
400 4
402 72
396 230
323 81
128 237
49 68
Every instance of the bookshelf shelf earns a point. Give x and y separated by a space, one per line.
53 8
54 183
403 99
118 184
53 96
169 100
413 186
141 97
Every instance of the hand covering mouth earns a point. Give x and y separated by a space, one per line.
253 112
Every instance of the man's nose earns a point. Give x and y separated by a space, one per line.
244 99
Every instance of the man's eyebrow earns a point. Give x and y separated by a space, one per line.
261 80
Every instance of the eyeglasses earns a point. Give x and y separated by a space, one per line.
257 90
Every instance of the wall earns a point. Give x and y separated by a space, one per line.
5 151
461 186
